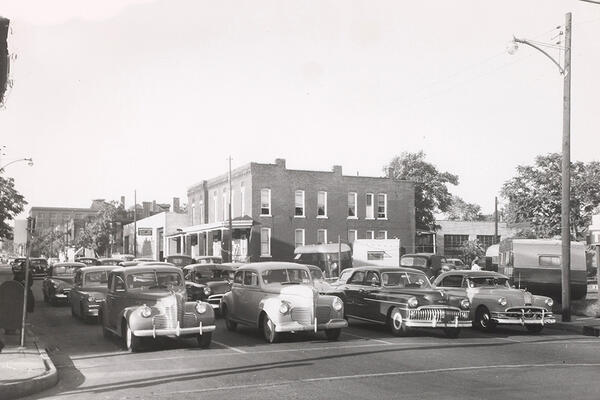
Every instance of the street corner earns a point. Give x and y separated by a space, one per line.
25 371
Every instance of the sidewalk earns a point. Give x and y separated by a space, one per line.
24 371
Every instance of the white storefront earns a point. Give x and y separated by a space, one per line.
152 235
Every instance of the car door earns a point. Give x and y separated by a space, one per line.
351 291
252 295
367 305
237 290
75 294
115 300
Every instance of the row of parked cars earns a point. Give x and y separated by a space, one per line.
153 299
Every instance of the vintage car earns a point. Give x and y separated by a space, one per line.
208 282
149 300
455 263
208 260
89 261
279 297
37 266
180 260
110 261
59 281
319 280
402 298
495 302
428 263
89 291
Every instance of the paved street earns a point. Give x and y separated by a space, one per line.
367 362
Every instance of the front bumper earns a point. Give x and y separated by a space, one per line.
175 332
437 324
293 326
523 317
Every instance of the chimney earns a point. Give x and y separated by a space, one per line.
280 162
176 204
154 206
146 205
123 201
337 170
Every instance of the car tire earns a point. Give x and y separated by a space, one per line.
483 320
452 333
131 342
534 328
268 329
204 340
333 334
396 322
231 325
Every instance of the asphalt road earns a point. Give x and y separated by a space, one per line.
366 363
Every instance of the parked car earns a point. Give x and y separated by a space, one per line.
495 302
428 263
279 297
179 260
37 266
403 298
318 280
326 257
208 260
89 261
144 259
89 291
129 263
149 300
208 282
124 257
110 261
59 281
455 263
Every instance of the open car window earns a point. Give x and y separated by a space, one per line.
405 280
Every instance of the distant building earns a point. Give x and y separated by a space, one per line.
275 209
20 237
151 239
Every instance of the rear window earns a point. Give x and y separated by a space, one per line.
96 278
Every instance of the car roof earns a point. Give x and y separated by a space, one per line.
228 267
159 267
262 266
179 255
70 264
386 269
96 268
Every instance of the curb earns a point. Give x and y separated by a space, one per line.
34 385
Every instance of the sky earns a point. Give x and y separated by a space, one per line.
152 95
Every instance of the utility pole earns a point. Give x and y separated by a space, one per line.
495 219
30 229
230 236
566 179
135 223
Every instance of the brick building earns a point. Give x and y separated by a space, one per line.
275 209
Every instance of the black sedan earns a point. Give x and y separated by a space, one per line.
208 282
402 298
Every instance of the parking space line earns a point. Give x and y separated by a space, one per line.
366 338
509 340
229 347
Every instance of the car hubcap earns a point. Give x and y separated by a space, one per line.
269 329
397 320
485 319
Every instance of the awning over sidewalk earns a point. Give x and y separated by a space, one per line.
236 223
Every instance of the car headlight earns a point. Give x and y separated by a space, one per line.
549 302
55 285
502 301
91 299
146 311
207 291
413 302
465 304
337 304
284 308
201 307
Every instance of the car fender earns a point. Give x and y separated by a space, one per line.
270 306
207 318
227 301
328 299
134 319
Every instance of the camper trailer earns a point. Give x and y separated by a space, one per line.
380 252
535 265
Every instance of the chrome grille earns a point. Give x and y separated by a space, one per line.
189 320
215 299
438 314
301 315
527 312
323 314
167 317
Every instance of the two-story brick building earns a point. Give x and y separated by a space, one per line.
275 209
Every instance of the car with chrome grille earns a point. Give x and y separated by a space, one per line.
89 291
59 282
495 302
403 299
148 301
208 282
279 297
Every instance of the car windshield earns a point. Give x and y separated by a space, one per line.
413 262
405 280
154 280
206 275
285 276
64 270
489 281
96 278
316 274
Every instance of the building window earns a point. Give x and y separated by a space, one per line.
265 242
375 255
370 211
352 205
352 235
299 237
453 244
381 235
549 261
193 214
242 199
215 206
487 240
322 236
299 203
265 202
321 204
382 206
370 234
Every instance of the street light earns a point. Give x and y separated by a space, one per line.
565 70
29 162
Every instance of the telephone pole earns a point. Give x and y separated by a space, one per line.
230 236
135 223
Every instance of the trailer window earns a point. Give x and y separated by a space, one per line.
549 261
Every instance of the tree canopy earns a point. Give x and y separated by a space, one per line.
12 204
97 233
460 210
534 195
431 186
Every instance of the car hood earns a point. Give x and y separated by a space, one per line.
155 295
424 296
98 292
514 297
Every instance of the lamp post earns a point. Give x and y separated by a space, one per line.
565 70
29 162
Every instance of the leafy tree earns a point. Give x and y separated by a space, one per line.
471 249
534 195
97 233
460 210
47 243
12 204
431 190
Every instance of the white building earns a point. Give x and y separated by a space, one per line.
152 235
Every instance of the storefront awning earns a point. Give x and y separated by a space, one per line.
236 223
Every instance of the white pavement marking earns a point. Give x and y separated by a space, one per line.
384 374
510 340
365 338
229 347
